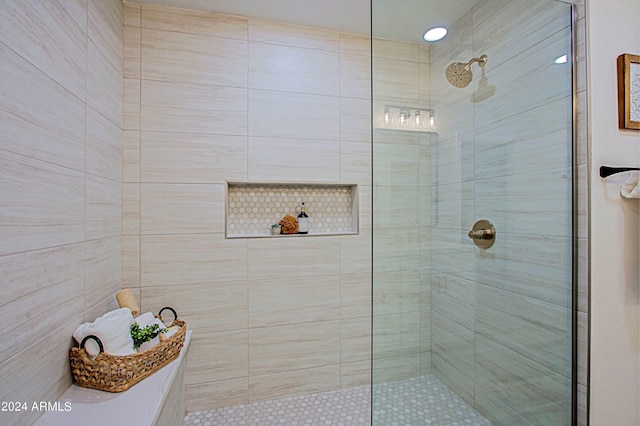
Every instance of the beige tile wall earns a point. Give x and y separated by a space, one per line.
60 191
401 159
510 304
210 98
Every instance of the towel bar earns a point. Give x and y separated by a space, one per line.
606 171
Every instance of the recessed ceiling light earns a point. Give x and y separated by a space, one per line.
561 60
435 34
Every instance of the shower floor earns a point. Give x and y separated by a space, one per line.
417 401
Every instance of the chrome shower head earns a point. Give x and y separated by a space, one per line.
460 75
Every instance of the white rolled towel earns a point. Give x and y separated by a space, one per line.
630 188
113 330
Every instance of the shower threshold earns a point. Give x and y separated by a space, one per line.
416 401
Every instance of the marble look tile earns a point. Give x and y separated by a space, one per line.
396 292
103 207
102 269
306 160
356 373
396 207
271 114
224 393
496 21
536 393
50 286
355 163
539 331
355 44
583 404
207 308
50 36
538 140
103 147
41 204
131 104
217 356
454 298
130 156
266 256
131 261
130 209
583 349
355 295
293 301
396 50
396 164
395 81
521 79
287 348
530 265
396 334
424 85
394 368
290 383
181 208
191 158
452 159
393 251
452 347
193 58
453 252
583 275
194 22
40 119
452 206
193 108
514 205
48 374
293 35
365 207
106 29
293 69
355 339
132 52
382 136
355 253
191 259
131 14
494 408
355 121
355 75
105 85
583 201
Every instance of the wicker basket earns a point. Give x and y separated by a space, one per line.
113 373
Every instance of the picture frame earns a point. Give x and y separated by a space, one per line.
629 91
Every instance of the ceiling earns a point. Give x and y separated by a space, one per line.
396 19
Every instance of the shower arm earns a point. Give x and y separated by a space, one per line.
482 60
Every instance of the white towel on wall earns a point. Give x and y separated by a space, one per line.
630 188
113 331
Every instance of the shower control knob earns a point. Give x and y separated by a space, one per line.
483 233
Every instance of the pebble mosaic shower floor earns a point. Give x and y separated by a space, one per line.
418 401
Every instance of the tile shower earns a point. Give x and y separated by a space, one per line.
212 98
208 99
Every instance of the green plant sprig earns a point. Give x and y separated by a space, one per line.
142 335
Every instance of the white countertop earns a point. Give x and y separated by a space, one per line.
137 406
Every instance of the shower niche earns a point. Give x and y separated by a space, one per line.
251 208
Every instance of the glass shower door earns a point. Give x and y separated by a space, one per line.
461 330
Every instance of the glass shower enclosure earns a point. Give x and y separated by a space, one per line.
472 323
